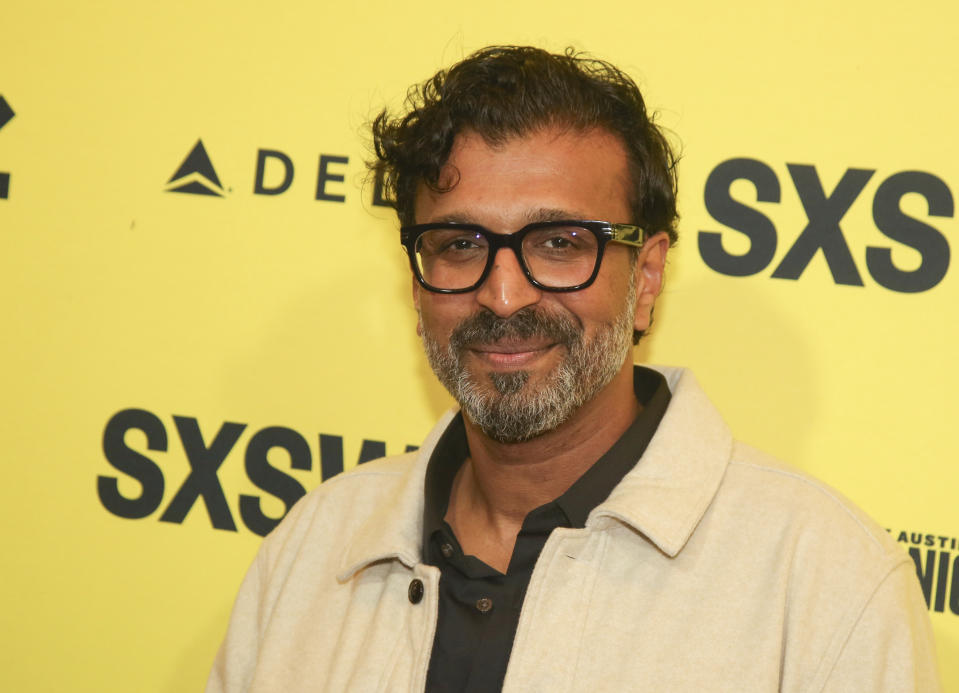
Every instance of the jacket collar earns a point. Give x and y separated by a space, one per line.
663 497
394 529
668 491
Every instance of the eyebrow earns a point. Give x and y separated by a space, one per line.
550 214
531 216
453 218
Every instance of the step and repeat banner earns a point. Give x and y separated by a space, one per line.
206 310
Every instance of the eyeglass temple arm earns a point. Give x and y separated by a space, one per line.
627 233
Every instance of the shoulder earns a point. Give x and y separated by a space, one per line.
806 517
373 510
846 583
361 486
375 496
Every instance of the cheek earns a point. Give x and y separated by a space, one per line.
439 314
599 304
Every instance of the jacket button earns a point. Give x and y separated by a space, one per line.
416 591
483 605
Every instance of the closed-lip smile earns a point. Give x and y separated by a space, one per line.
511 353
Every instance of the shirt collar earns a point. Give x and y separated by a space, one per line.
448 455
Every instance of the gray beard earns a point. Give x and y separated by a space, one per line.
505 406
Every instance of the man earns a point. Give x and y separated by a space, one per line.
580 524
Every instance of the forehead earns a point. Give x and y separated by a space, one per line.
582 174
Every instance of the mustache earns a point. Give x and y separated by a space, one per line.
485 327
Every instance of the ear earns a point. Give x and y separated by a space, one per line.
650 264
416 305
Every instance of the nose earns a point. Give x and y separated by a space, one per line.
506 289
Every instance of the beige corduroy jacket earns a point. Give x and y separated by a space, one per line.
711 567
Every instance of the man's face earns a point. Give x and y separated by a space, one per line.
519 360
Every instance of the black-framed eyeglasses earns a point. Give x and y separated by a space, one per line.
564 255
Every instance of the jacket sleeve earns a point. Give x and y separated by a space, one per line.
236 659
890 648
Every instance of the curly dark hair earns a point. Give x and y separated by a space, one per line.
507 91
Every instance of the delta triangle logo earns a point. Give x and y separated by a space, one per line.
196 175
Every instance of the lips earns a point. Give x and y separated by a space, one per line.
512 353
513 346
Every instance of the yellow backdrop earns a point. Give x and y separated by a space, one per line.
204 312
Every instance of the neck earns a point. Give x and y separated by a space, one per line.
502 482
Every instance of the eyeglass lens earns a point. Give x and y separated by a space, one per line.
556 257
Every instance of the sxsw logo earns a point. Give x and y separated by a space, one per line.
6 113
918 234
274 172
276 459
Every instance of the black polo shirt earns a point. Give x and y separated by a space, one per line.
479 607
